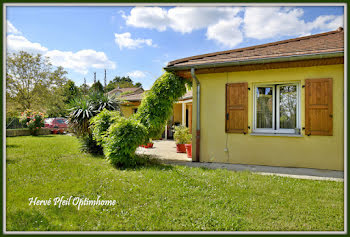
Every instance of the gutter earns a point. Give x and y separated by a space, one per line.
198 128
259 61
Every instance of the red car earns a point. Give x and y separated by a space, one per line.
56 125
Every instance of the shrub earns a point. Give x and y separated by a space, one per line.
89 145
124 136
101 122
81 112
182 135
156 107
33 120
83 109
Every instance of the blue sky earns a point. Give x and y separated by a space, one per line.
139 41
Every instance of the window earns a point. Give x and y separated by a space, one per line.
276 108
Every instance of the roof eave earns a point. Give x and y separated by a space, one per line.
258 61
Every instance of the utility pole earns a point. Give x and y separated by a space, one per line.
105 79
94 77
84 81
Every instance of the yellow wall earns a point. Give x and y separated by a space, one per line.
322 152
127 110
177 112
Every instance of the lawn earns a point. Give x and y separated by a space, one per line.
157 197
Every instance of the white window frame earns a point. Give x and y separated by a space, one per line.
275 122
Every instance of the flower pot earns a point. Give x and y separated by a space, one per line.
149 145
189 150
180 148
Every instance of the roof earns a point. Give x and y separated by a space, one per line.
134 96
329 42
138 96
122 90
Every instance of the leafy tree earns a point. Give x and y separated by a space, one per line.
84 89
121 82
31 81
70 91
97 87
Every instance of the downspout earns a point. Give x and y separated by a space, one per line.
198 128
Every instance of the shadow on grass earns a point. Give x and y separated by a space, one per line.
12 146
149 162
11 161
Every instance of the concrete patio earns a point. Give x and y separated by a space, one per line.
164 150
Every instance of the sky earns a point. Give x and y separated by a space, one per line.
139 41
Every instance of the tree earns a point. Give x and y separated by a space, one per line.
121 82
97 87
31 81
70 91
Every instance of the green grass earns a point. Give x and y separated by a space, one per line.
157 197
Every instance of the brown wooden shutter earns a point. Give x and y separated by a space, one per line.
237 108
319 107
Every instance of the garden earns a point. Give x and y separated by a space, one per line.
99 162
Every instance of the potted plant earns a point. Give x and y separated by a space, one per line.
189 149
182 136
148 144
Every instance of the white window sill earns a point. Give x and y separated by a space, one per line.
276 134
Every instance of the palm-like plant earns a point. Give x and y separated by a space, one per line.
102 101
82 110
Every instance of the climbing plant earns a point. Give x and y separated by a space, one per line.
157 106
124 135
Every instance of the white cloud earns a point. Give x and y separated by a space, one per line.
224 25
17 43
80 61
147 17
327 22
187 19
226 32
124 40
180 19
11 29
136 74
269 22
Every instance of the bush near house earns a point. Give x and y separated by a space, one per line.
101 122
125 135
82 110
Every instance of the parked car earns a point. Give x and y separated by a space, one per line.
56 125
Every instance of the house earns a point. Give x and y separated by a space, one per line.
122 91
182 110
275 104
